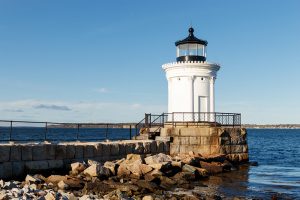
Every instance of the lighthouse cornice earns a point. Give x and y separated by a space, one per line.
191 68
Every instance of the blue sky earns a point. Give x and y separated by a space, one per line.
100 61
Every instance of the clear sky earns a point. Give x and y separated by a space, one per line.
100 61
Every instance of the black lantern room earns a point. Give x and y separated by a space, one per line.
191 48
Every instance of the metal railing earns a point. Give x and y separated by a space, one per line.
189 118
51 131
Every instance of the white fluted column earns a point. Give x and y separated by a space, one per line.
212 94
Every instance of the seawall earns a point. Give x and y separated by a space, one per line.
16 160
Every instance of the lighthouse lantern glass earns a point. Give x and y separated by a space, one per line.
191 50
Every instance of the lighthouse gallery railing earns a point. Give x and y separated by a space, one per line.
190 118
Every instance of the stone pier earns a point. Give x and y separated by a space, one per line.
16 160
207 140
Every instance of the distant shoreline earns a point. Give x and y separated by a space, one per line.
272 126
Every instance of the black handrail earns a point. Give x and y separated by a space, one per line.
21 130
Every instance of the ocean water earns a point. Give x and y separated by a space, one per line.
277 152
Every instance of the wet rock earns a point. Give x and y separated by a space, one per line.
77 168
184 176
215 158
212 168
202 173
158 158
166 182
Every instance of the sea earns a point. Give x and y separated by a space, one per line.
277 152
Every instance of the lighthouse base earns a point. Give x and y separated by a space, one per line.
207 140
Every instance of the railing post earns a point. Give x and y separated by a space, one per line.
130 132
106 133
11 129
46 130
77 131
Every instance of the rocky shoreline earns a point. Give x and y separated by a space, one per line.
150 177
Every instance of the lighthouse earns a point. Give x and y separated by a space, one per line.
191 81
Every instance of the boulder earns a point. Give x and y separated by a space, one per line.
93 162
183 177
92 170
153 175
112 167
131 158
151 187
103 172
31 179
62 185
55 179
215 158
3 195
77 168
212 168
123 172
148 197
203 173
189 168
9 185
158 158
50 196
145 168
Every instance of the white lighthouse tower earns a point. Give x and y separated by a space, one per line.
191 81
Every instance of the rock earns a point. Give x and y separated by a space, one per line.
131 158
189 168
135 169
77 168
212 168
215 158
3 195
9 185
92 170
62 185
112 167
31 179
2 183
158 158
93 162
33 186
145 168
55 179
123 171
49 196
151 187
184 176
151 176
148 197
203 173
103 172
